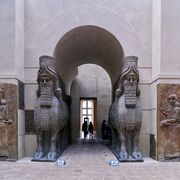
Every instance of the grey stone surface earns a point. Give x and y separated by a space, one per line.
125 115
89 161
50 114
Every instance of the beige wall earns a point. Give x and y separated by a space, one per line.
165 50
147 29
170 38
43 29
12 53
12 40
131 26
7 36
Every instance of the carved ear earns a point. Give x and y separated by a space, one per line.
138 92
58 92
119 91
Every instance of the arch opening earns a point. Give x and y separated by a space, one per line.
91 99
89 63
88 44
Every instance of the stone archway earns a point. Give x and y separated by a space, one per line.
93 84
88 45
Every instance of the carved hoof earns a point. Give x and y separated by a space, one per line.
137 155
38 156
52 156
123 155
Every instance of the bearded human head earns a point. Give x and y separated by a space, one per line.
130 68
47 75
47 67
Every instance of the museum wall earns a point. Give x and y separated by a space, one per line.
165 63
47 21
147 29
12 65
170 38
40 26
7 36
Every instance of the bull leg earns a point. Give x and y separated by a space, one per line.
114 139
52 154
39 152
123 152
129 142
64 138
136 150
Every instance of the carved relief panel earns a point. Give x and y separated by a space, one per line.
8 121
168 139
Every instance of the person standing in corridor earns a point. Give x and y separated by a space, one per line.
91 129
85 128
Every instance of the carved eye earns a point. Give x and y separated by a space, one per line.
130 79
48 79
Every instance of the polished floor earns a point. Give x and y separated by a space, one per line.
89 160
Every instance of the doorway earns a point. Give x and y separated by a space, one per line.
89 63
91 83
88 110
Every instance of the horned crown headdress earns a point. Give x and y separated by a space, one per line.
47 67
129 64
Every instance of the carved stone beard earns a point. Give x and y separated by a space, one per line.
130 93
46 95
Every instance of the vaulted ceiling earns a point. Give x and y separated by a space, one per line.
88 44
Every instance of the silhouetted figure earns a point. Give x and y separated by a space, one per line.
91 128
84 128
109 133
104 130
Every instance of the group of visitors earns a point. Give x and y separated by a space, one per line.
87 129
105 129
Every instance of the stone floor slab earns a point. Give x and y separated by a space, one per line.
89 161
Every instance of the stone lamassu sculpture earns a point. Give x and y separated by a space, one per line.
171 111
125 115
51 113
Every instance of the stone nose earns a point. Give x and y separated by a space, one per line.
44 81
131 80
